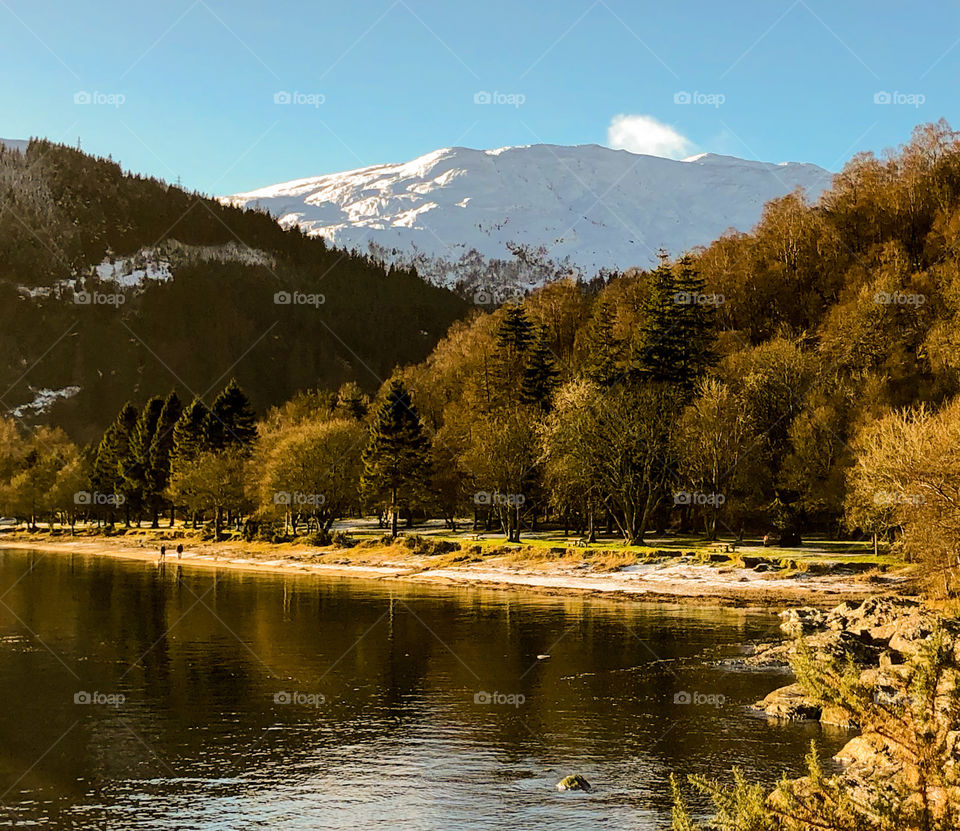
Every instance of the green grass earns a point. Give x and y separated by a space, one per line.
815 549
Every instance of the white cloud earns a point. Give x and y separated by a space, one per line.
644 134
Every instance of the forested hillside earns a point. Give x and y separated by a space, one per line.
799 378
756 383
63 212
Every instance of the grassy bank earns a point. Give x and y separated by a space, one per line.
678 567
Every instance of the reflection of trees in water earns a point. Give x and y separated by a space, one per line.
200 655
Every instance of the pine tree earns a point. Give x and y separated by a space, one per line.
137 475
674 341
231 422
514 336
540 375
189 436
515 332
602 347
697 311
161 447
113 458
396 460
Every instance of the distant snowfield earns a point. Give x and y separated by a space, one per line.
587 207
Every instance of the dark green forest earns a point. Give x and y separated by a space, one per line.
62 212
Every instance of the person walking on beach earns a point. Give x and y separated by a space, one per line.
163 553
179 550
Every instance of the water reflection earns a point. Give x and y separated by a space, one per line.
242 699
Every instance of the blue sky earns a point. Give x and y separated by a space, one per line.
233 95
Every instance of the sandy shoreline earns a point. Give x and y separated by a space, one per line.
673 581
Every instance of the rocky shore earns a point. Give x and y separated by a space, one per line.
877 639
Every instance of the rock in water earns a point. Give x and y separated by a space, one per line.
790 703
573 783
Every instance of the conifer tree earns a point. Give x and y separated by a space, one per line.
396 459
540 375
113 458
231 421
674 341
697 313
515 332
602 347
514 336
137 475
161 447
189 436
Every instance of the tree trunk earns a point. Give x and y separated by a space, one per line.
393 513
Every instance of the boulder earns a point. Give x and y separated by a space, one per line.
770 655
575 782
826 644
838 645
837 617
868 756
802 621
790 703
910 633
859 750
875 615
837 717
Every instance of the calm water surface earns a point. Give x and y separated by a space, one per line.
138 698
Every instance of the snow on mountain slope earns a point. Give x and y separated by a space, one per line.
587 206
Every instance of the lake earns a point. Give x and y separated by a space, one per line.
144 698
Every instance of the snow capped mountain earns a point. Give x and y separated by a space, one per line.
585 208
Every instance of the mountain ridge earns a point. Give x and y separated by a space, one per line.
585 209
